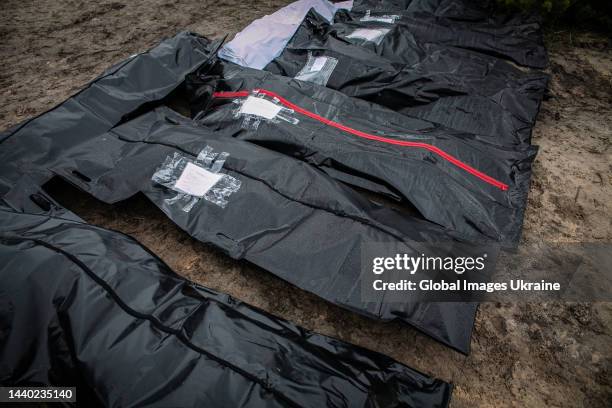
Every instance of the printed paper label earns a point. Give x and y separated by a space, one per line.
196 181
318 64
381 19
390 19
260 107
369 34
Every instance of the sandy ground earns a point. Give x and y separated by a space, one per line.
522 355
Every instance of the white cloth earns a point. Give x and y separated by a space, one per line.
265 38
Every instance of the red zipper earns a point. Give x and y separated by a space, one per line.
359 133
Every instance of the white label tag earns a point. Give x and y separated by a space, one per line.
318 64
260 107
382 19
196 181
369 34
390 19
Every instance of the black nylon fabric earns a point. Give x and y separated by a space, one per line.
481 211
521 43
85 306
473 11
459 9
460 89
281 205
270 221
441 8
110 138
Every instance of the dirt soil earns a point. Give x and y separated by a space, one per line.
551 354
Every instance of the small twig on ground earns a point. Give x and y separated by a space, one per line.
577 193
